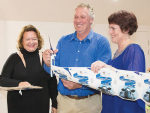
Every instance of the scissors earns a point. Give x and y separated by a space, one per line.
51 48
52 56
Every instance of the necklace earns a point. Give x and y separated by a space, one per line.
117 54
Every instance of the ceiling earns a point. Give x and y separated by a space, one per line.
63 10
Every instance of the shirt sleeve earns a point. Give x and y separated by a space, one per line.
6 79
52 83
104 50
46 68
134 59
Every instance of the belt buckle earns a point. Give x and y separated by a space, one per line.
76 97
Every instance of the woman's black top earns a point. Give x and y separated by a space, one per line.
32 100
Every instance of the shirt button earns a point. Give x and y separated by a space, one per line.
76 59
78 51
80 42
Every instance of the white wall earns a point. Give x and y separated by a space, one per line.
3 44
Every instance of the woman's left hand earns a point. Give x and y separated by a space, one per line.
54 110
24 84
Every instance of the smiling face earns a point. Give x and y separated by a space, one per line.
30 41
116 34
82 20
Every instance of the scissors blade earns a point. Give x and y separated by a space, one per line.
51 48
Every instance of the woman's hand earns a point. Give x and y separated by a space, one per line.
24 84
54 110
97 65
47 56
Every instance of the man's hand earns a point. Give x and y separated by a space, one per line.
24 84
70 85
47 56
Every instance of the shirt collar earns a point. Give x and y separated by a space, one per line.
89 36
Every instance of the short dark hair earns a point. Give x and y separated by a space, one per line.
126 20
26 29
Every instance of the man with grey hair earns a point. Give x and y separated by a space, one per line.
79 49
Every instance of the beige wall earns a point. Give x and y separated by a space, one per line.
62 10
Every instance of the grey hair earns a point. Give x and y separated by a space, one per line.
90 8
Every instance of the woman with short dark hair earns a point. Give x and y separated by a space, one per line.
129 56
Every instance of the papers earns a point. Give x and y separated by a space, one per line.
129 85
20 88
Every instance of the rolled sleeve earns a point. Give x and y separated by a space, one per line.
47 69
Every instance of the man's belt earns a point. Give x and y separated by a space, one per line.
83 97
